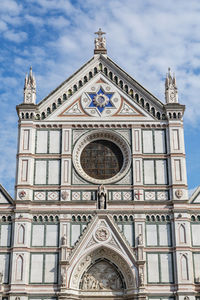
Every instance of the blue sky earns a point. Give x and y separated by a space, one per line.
56 38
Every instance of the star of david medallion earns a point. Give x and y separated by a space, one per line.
101 100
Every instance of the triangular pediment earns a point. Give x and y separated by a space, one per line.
5 198
102 231
195 198
100 90
100 100
102 240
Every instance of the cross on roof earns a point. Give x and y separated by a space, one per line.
100 33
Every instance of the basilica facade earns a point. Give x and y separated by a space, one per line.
101 207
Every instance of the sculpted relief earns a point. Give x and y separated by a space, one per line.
102 276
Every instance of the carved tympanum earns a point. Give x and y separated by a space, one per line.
102 276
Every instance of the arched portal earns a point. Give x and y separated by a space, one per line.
103 273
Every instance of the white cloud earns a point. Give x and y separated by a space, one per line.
17 37
11 7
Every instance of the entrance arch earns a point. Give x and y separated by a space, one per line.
103 273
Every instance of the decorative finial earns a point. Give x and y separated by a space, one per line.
100 43
30 88
171 91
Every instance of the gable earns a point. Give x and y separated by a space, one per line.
100 100
5 198
100 71
195 198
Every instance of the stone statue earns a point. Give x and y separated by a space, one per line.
140 239
100 41
63 279
141 277
64 240
101 196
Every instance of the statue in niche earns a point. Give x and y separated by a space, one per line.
140 239
101 197
141 277
63 279
64 239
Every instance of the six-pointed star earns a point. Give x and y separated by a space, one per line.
100 100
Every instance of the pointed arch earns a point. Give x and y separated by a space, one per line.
19 268
21 234
182 234
184 267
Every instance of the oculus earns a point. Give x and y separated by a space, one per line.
102 157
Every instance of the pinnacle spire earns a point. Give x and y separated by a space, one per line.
171 92
29 87
100 43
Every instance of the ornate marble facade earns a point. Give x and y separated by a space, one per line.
101 208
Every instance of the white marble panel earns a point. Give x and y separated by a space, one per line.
51 263
36 271
54 142
149 174
175 138
5 235
51 235
128 232
161 172
26 136
54 172
75 233
41 142
147 141
24 171
153 268
164 234
159 136
177 167
196 257
196 235
166 267
4 266
37 235
40 171
151 234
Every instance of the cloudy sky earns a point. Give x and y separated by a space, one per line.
57 36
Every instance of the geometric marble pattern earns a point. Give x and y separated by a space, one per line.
150 195
53 195
76 196
40 196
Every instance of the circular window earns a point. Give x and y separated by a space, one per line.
102 157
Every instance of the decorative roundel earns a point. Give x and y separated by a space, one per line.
100 100
102 234
102 157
